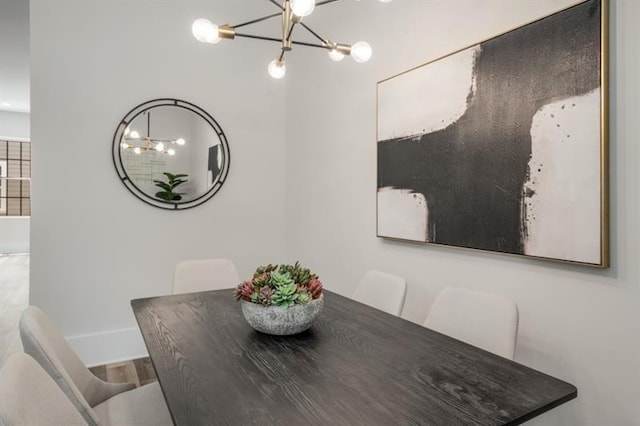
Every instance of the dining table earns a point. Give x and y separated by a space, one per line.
356 365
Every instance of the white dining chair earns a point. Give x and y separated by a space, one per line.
99 402
29 396
382 291
488 321
204 274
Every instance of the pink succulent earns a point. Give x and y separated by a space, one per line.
314 287
265 295
244 291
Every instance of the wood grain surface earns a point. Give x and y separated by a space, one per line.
355 366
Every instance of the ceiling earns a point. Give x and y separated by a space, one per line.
14 55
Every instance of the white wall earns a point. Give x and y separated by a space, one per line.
94 245
577 323
14 125
14 234
14 231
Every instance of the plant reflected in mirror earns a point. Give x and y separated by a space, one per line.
173 181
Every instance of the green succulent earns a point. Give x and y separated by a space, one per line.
255 297
304 297
280 278
261 280
264 270
299 274
285 295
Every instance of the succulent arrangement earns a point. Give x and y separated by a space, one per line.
280 285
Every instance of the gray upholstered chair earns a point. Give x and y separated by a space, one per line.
204 274
99 402
382 291
28 396
488 321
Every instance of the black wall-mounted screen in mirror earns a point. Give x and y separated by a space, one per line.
171 154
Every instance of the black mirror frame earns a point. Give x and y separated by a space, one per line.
169 205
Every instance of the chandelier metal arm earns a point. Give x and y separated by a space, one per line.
277 4
146 138
320 3
255 21
300 43
306 27
288 38
275 15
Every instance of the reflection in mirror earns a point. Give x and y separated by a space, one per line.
171 154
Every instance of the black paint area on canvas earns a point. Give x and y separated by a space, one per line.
473 172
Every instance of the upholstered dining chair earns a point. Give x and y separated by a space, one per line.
204 274
383 291
29 396
99 402
488 321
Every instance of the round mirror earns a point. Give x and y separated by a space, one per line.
171 154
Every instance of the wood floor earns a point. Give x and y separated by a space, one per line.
138 371
14 297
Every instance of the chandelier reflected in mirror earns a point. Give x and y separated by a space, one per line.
291 13
132 139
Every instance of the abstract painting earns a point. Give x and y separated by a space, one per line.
502 146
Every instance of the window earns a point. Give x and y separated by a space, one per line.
15 178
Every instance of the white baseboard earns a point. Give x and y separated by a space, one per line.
109 347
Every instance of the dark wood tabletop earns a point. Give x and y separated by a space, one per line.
355 366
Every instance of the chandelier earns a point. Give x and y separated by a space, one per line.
139 144
292 13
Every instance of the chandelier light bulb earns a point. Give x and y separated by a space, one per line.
171 151
361 51
134 134
385 1
127 131
204 31
336 55
302 8
277 69
124 145
181 141
160 147
137 150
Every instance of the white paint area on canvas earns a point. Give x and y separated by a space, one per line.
402 214
427 99
563 206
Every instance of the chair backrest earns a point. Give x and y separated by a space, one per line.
28 396
44 341
204 274
382 291
486 320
